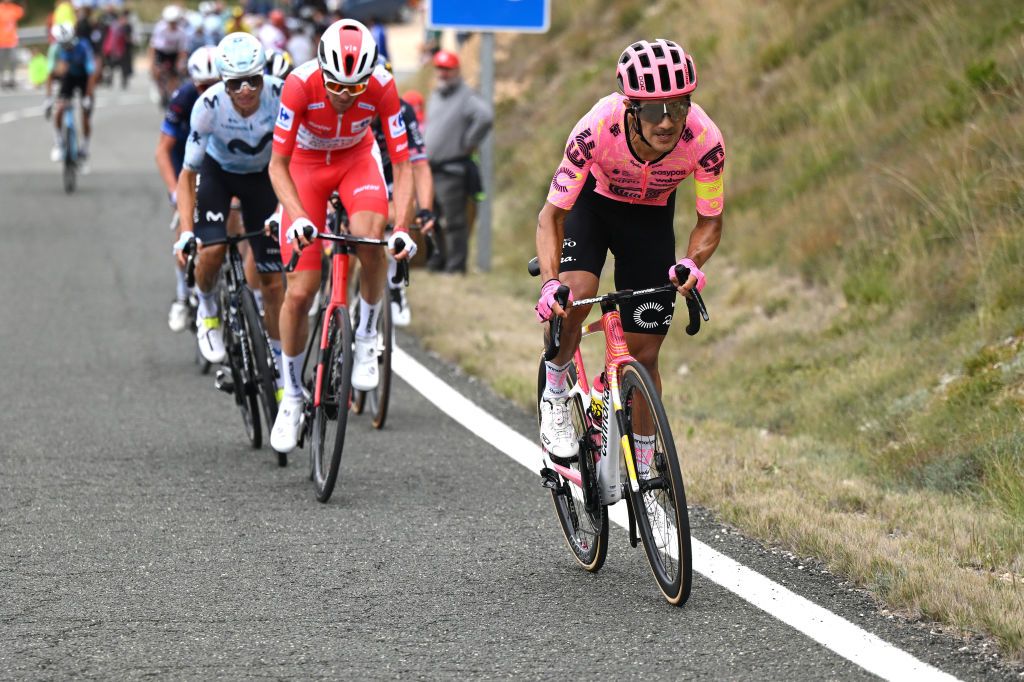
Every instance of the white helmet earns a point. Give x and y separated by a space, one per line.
279 63
239 55
202 65
63 33
347 52
171 13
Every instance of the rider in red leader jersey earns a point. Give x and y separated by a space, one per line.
322 143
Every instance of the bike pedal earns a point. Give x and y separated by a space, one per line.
549 479
222 382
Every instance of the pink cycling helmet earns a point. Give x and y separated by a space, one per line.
655 70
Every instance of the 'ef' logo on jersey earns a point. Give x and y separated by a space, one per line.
578 149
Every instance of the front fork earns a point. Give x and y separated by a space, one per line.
609 473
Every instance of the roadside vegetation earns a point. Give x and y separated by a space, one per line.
859 393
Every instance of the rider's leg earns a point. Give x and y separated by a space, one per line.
208 264
58 126
83 145
374 267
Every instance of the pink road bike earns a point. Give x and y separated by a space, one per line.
625 403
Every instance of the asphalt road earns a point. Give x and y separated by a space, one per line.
140 536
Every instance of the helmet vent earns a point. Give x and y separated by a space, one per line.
645 61
631 75
648 82
349 63
658 52
666 83
362 63
690 75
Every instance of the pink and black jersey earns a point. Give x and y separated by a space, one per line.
599 145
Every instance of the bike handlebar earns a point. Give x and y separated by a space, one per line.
694 304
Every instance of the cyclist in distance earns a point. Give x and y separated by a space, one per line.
168 47
226 156
323 143
170 153
615 190
72 65
423 183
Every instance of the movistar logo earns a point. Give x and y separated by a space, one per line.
242 147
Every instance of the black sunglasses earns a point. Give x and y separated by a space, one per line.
235 84
653 112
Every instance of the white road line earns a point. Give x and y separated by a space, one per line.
831 631
29 112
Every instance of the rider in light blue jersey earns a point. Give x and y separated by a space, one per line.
226 156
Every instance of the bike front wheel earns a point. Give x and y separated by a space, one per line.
262 370
244 388
660 505
584 520
70 173
330 417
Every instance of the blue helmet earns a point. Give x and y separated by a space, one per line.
240 55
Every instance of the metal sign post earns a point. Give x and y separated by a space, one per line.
519 16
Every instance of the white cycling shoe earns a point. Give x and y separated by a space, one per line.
365 376
285 435
557 433
177 318
210 338
57 153
400 313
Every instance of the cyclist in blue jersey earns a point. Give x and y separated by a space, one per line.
226 155
170 153
72 65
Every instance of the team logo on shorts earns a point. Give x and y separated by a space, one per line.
638 314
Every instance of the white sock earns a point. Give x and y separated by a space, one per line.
368 313
258 295
275 345
84 146
292 371
557 386
181 288
207 303
644 453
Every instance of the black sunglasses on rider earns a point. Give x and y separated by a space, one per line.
235 84
653 112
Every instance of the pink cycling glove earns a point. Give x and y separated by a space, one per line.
547 299
694 270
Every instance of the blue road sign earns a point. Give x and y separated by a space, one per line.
530 16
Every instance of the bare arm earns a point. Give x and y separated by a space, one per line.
550 231
284 186
186 199
423 181
164 147
704 238
403 190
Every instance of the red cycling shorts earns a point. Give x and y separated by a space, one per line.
359 179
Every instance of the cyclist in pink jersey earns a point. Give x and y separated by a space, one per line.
615 190
323 142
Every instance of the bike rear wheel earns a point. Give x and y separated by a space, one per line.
376 401
244 388
584 520
660 506
262 370
330 417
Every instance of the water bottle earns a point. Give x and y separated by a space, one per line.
597 409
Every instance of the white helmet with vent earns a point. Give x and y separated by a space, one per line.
347 52
239 55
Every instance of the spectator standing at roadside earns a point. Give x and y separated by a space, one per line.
10 13
459 120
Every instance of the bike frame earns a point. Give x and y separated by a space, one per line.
613 425
338 299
